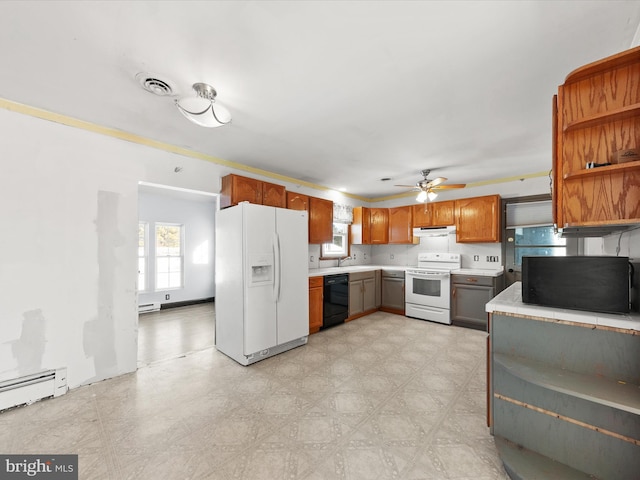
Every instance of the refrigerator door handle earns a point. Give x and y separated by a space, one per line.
277 265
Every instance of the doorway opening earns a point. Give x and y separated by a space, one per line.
176 271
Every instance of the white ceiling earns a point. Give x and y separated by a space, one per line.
339 94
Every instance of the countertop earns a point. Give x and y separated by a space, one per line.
318 272
485 272
510 301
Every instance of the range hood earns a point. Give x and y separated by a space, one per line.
433 231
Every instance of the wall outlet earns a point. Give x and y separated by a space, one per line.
476 258
311 258
354 256
167 296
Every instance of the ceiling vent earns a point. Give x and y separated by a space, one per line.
151 83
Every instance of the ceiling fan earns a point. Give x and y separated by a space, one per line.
426 187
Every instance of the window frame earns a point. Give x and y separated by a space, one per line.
168 257
345 252
145 258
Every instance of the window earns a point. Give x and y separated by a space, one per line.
537 241
529 231
340 245
142 256
169 256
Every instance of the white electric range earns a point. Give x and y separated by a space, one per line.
428 287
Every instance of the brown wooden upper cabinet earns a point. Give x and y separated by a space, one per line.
443 214
400 225
370 226
361 226
320 220
595 114
421 213
297 201
236 189
434 214
478 219
379 224
320 215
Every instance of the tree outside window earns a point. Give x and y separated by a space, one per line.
169 256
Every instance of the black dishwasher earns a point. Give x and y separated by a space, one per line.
336 300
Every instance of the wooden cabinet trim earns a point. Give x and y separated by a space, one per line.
597 114
587 172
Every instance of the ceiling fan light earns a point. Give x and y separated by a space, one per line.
432 195
422 196
203 109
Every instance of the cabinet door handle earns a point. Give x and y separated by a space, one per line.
453 292
472 280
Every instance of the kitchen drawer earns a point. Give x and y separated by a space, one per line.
316 282
393 273
473 280
355 276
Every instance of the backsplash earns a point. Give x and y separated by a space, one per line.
360 255
473 255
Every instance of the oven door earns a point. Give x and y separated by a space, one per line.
428 288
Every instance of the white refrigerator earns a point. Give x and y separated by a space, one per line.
262 293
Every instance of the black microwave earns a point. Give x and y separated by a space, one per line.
592 283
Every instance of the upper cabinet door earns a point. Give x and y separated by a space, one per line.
297 201
478 219
274 195
422 214
236 189
379 225
361 226
400 230
443 214
320 220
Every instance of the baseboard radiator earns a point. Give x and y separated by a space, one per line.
31 388
149 307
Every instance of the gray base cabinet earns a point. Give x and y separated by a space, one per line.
362 292
393 290
564 398
469 295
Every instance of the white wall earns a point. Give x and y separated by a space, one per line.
69 258
197 216
69 248
628 243
69 252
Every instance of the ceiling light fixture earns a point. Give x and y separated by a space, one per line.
426 194
203 109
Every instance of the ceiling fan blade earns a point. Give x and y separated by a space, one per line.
437 181
450 186
408 186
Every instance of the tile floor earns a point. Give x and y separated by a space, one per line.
175 331
382 397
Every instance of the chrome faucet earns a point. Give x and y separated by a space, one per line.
341 260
